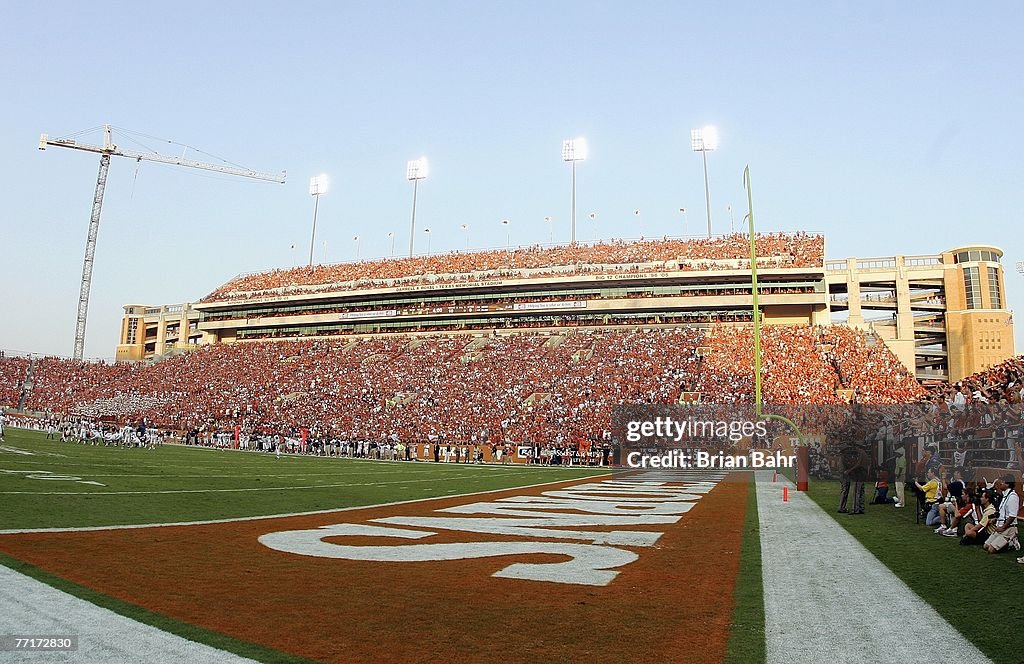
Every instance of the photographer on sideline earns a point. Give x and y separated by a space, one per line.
1006 522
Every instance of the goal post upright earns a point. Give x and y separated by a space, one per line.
802 455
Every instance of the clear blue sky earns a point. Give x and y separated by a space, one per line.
891 127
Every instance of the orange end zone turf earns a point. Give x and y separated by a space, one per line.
674 602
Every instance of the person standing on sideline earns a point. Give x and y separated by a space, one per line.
848 466
900 474
859 475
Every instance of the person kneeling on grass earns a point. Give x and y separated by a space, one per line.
954 491
964 514
1006 521
976 533
929 490
882 490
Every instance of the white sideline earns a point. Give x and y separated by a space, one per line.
76 529
828 599
30 607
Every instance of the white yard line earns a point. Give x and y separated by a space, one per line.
828 599
19 531
31 607
244 489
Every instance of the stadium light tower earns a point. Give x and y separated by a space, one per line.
682 211
415 170
391 236
465 229
427 231
593 217
573 150
317 186
355 238
704 141
551 230
508 233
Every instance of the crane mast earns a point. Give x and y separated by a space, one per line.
107 150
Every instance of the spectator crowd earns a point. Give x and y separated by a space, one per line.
720 253
13 371
520 388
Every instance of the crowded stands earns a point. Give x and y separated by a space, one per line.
799 250
521 387
1004 381
13 371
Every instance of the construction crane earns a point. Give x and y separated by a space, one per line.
106 151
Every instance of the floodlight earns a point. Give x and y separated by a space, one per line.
710 135
574 149
318 185
417 169
704 140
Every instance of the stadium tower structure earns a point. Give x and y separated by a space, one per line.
943 315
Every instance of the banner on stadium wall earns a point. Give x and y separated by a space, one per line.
448 286
351 315
529 306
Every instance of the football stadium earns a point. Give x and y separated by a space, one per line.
247 478
521 377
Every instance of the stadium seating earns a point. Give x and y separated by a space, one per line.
12 377
1005 381
518 387
728 252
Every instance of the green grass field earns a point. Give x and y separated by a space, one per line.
56 484
978 593
49 484
746 642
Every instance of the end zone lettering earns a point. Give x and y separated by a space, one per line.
594 556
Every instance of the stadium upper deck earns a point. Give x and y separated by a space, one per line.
942 315
695 254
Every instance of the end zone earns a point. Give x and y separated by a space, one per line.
621 567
